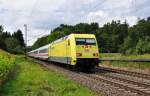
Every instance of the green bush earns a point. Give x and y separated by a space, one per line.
7 62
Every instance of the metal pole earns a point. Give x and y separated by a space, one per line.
25 26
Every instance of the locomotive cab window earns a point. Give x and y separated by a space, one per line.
90 41
85 41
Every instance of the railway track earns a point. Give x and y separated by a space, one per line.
117 78
109 85
122 84
130 73
134 82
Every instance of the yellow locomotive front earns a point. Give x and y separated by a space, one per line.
87 54
76 50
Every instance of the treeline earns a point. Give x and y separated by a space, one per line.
113 37
13 43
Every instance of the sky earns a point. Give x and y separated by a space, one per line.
42 16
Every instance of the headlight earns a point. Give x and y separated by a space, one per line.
79 54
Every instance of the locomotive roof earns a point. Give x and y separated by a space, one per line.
58 40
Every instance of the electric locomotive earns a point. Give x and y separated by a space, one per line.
76 50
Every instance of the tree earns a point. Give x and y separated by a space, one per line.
19 36
40 42
143 46
140 38
113 37
13 45
2 44
3 36
1 29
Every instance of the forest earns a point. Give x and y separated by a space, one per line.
13 43
112 37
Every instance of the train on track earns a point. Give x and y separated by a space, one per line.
75 50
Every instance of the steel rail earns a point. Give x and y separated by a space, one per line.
131 73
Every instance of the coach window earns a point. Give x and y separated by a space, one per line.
35 52
43 51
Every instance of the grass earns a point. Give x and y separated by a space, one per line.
7 62
134 66
33 80
120 56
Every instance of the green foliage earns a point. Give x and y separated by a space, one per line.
40 42
122 56
113 37
3 36
132 66
64 30
13 45
127 46
33 80
1 29
141 66
143 46
138 40
7 62
109 37
19 36
16 45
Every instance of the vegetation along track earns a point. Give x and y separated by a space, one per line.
100 84
131 73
